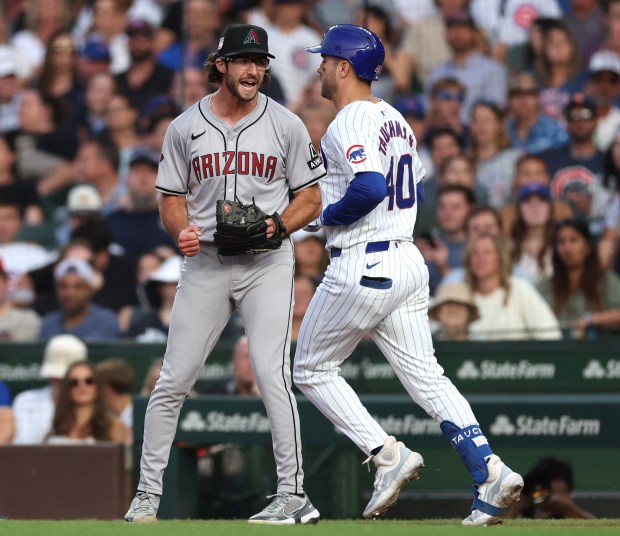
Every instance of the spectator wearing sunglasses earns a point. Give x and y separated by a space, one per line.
603 87
446 104
81 413
33 410
577 168
528 128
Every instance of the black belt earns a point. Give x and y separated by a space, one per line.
371 247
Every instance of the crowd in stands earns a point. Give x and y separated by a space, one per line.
515 105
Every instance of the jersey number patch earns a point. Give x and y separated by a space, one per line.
401 188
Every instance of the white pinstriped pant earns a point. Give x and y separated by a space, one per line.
343 310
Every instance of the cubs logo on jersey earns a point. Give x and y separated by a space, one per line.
356 154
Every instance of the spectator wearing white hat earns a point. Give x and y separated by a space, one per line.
78 315
33 410
83 203
603 87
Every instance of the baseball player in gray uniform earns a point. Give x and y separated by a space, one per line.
235 144
377 283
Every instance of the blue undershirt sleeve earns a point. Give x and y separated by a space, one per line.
365 192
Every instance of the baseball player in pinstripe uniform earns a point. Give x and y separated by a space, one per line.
235 144
377 283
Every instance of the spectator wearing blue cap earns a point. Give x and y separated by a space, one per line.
413 110
136 226
94 58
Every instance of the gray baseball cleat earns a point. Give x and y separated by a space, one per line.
287 509
143 508
493 498
396 465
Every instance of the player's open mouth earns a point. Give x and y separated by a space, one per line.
248 84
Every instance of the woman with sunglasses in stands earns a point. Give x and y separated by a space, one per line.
81 414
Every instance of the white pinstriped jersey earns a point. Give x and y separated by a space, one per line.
264 156
367 136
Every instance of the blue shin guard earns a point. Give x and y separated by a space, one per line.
472 446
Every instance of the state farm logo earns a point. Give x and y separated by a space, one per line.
528 425
595 370
405 425
505 370
218 421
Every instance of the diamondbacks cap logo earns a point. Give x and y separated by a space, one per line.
356 154
252 37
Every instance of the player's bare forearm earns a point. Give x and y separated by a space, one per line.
173 214
305 207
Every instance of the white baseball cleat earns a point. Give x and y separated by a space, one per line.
493 498
143 508
396 465
287 509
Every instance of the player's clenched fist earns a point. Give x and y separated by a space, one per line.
189 240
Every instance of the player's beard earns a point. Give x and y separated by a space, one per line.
233 87
328 88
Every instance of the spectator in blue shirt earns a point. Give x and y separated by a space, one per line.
78 316
483 77
529 129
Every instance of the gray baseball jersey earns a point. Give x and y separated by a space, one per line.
264 156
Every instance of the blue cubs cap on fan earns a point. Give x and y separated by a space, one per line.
240 39
96 49
359 46
411 106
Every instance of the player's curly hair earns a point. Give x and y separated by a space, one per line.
215 77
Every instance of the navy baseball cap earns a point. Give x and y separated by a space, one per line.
528 190
96 50
243 39
411 106
144 155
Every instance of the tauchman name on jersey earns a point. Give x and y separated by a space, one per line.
208 166
393 129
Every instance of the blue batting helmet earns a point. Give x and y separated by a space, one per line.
359 46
